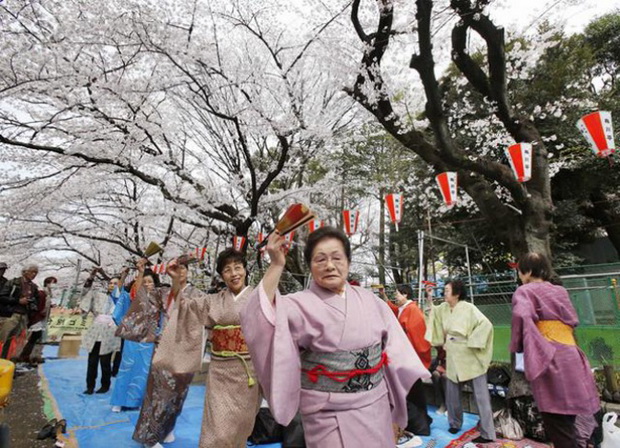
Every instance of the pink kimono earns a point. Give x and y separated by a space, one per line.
560 375
319 321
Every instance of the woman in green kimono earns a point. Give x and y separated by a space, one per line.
467 337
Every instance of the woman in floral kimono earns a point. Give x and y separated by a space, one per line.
232 397
335 352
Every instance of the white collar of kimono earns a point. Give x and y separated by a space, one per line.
241 293
403 306
325 294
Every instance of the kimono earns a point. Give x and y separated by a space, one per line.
233 395
467 337
559 373
317 323
97 301
130 385
153 318
232 399
411 319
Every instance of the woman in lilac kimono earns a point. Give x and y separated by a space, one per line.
335 352
543 322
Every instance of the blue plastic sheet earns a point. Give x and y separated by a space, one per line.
91 419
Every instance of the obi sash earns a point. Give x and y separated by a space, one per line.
227 341
343 371
556 331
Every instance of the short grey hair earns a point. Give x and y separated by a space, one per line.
32 267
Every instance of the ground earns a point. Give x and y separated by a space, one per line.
24 414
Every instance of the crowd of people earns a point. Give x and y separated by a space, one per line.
350 365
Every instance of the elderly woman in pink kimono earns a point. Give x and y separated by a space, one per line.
543 322
334 352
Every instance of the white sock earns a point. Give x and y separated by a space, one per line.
157 445
116 409
170 437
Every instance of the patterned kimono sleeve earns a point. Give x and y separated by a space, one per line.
142 319
434 329
520 312
481 335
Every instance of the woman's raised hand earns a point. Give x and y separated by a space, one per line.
277 249
141 264
173 269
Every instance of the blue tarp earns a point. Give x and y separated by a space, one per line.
94 424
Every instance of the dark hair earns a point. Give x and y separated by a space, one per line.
405 290
154 276
227 256
536 264
458 288
325 233
49 280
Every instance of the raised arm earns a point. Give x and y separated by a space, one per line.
276 248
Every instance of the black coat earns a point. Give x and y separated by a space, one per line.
10 294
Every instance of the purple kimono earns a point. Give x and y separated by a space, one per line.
320 321
559 374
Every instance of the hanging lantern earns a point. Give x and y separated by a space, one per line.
315 224
394 204
289 238
520 158
598 130
448 184
351 220
200 253
238 243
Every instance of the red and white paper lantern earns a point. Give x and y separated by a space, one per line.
520 158
448 183
394 204
289 237
351 220
238 243
200 253
598 130
315 224
159 268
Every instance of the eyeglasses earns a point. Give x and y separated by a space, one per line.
322 260
237 269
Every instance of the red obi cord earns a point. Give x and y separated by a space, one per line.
341 377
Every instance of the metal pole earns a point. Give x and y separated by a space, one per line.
420 263
471 286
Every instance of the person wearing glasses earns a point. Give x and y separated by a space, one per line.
334 351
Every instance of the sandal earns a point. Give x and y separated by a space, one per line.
60 428
48 430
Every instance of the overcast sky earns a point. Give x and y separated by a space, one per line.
524 14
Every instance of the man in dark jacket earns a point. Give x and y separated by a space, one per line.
3 279
18 297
